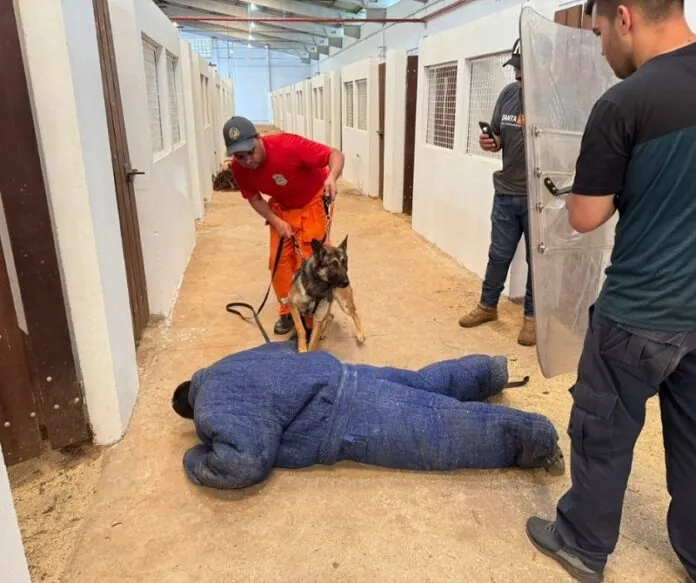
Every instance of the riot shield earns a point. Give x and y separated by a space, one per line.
564 73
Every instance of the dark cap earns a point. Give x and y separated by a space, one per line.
240 135
516 59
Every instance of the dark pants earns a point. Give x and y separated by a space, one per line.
619 370
509 221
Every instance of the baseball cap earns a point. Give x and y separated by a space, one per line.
516 59
240 135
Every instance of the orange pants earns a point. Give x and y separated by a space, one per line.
307 223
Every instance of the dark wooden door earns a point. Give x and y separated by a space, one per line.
19 425
48 354
123 173
382 91
573 17
410 133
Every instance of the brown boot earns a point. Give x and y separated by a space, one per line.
479 315
527 335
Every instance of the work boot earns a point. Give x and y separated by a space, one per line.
284 325
479 315
546 539
527 335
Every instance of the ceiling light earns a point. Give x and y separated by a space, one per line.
252 6
252 24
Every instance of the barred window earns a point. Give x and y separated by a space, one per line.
488 78
442 105
150 58
173 98
361 85
349 103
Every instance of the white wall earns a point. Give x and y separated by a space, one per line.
13 562
289 105
192 105
164 206
300 104
690 11
361 147
336 94
453 190
321 123
62 61
395 128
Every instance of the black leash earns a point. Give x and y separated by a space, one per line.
256 313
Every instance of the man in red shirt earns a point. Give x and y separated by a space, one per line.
296 174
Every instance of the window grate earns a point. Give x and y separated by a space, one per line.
442 105
173 99
361 85
488 78
349 104
150 58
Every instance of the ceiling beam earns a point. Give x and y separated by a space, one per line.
300 8
234 37
258 29
224 9
243 35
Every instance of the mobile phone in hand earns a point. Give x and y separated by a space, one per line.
486 129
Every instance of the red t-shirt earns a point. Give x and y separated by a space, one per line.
294 170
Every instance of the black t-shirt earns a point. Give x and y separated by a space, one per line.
507 123
640 144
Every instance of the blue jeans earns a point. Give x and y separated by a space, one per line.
509 221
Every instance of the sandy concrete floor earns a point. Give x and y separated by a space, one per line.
343 523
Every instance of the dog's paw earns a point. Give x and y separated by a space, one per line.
360 338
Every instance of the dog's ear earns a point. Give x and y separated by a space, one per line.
180 401
344 243
317 246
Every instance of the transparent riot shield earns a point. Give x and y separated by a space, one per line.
564 73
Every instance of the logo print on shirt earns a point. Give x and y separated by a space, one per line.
280 180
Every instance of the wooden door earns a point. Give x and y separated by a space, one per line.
410 133
382 91
19 425
124 175
573 17
47 353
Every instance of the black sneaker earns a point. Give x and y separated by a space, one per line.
284 325
544 537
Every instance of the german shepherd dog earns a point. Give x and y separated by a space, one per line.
321 279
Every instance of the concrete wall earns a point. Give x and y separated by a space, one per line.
336 94
395 128
299 100
321 109
73 136
13 562
361 146
257 71
453 190
164 206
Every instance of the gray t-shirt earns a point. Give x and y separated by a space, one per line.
507 123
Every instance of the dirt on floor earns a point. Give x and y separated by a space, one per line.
347 522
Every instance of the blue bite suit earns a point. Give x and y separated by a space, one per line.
272 407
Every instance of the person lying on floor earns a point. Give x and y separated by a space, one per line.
271 407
